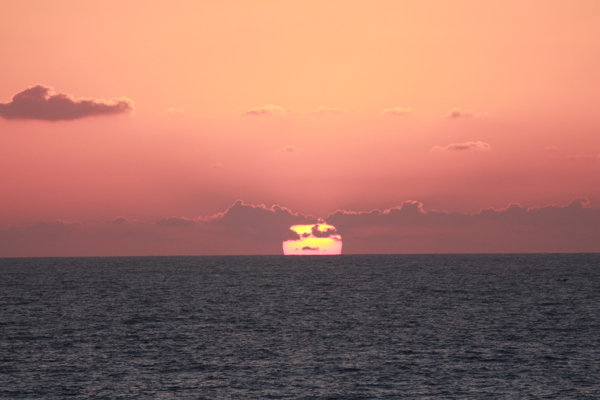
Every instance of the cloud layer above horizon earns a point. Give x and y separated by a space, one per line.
258 229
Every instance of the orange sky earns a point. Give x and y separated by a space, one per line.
314 106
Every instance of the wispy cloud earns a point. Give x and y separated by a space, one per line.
269 109
40 102
397 111
174 111
288 149
557 154
329 111
478 145
457 113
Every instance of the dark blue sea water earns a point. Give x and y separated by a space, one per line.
274 327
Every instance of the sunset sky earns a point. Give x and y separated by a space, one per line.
211 127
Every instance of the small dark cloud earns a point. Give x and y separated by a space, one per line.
457 113
310 248
291 235
41 103
269 109
323 234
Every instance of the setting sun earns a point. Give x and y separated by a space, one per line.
316 239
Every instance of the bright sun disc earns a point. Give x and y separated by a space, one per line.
316 239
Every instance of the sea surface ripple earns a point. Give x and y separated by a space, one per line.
321 327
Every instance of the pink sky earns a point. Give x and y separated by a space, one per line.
135 128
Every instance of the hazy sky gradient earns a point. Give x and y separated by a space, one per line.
180 109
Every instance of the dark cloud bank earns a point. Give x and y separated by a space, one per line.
257 229
40 102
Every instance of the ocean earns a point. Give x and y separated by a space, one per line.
306 327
